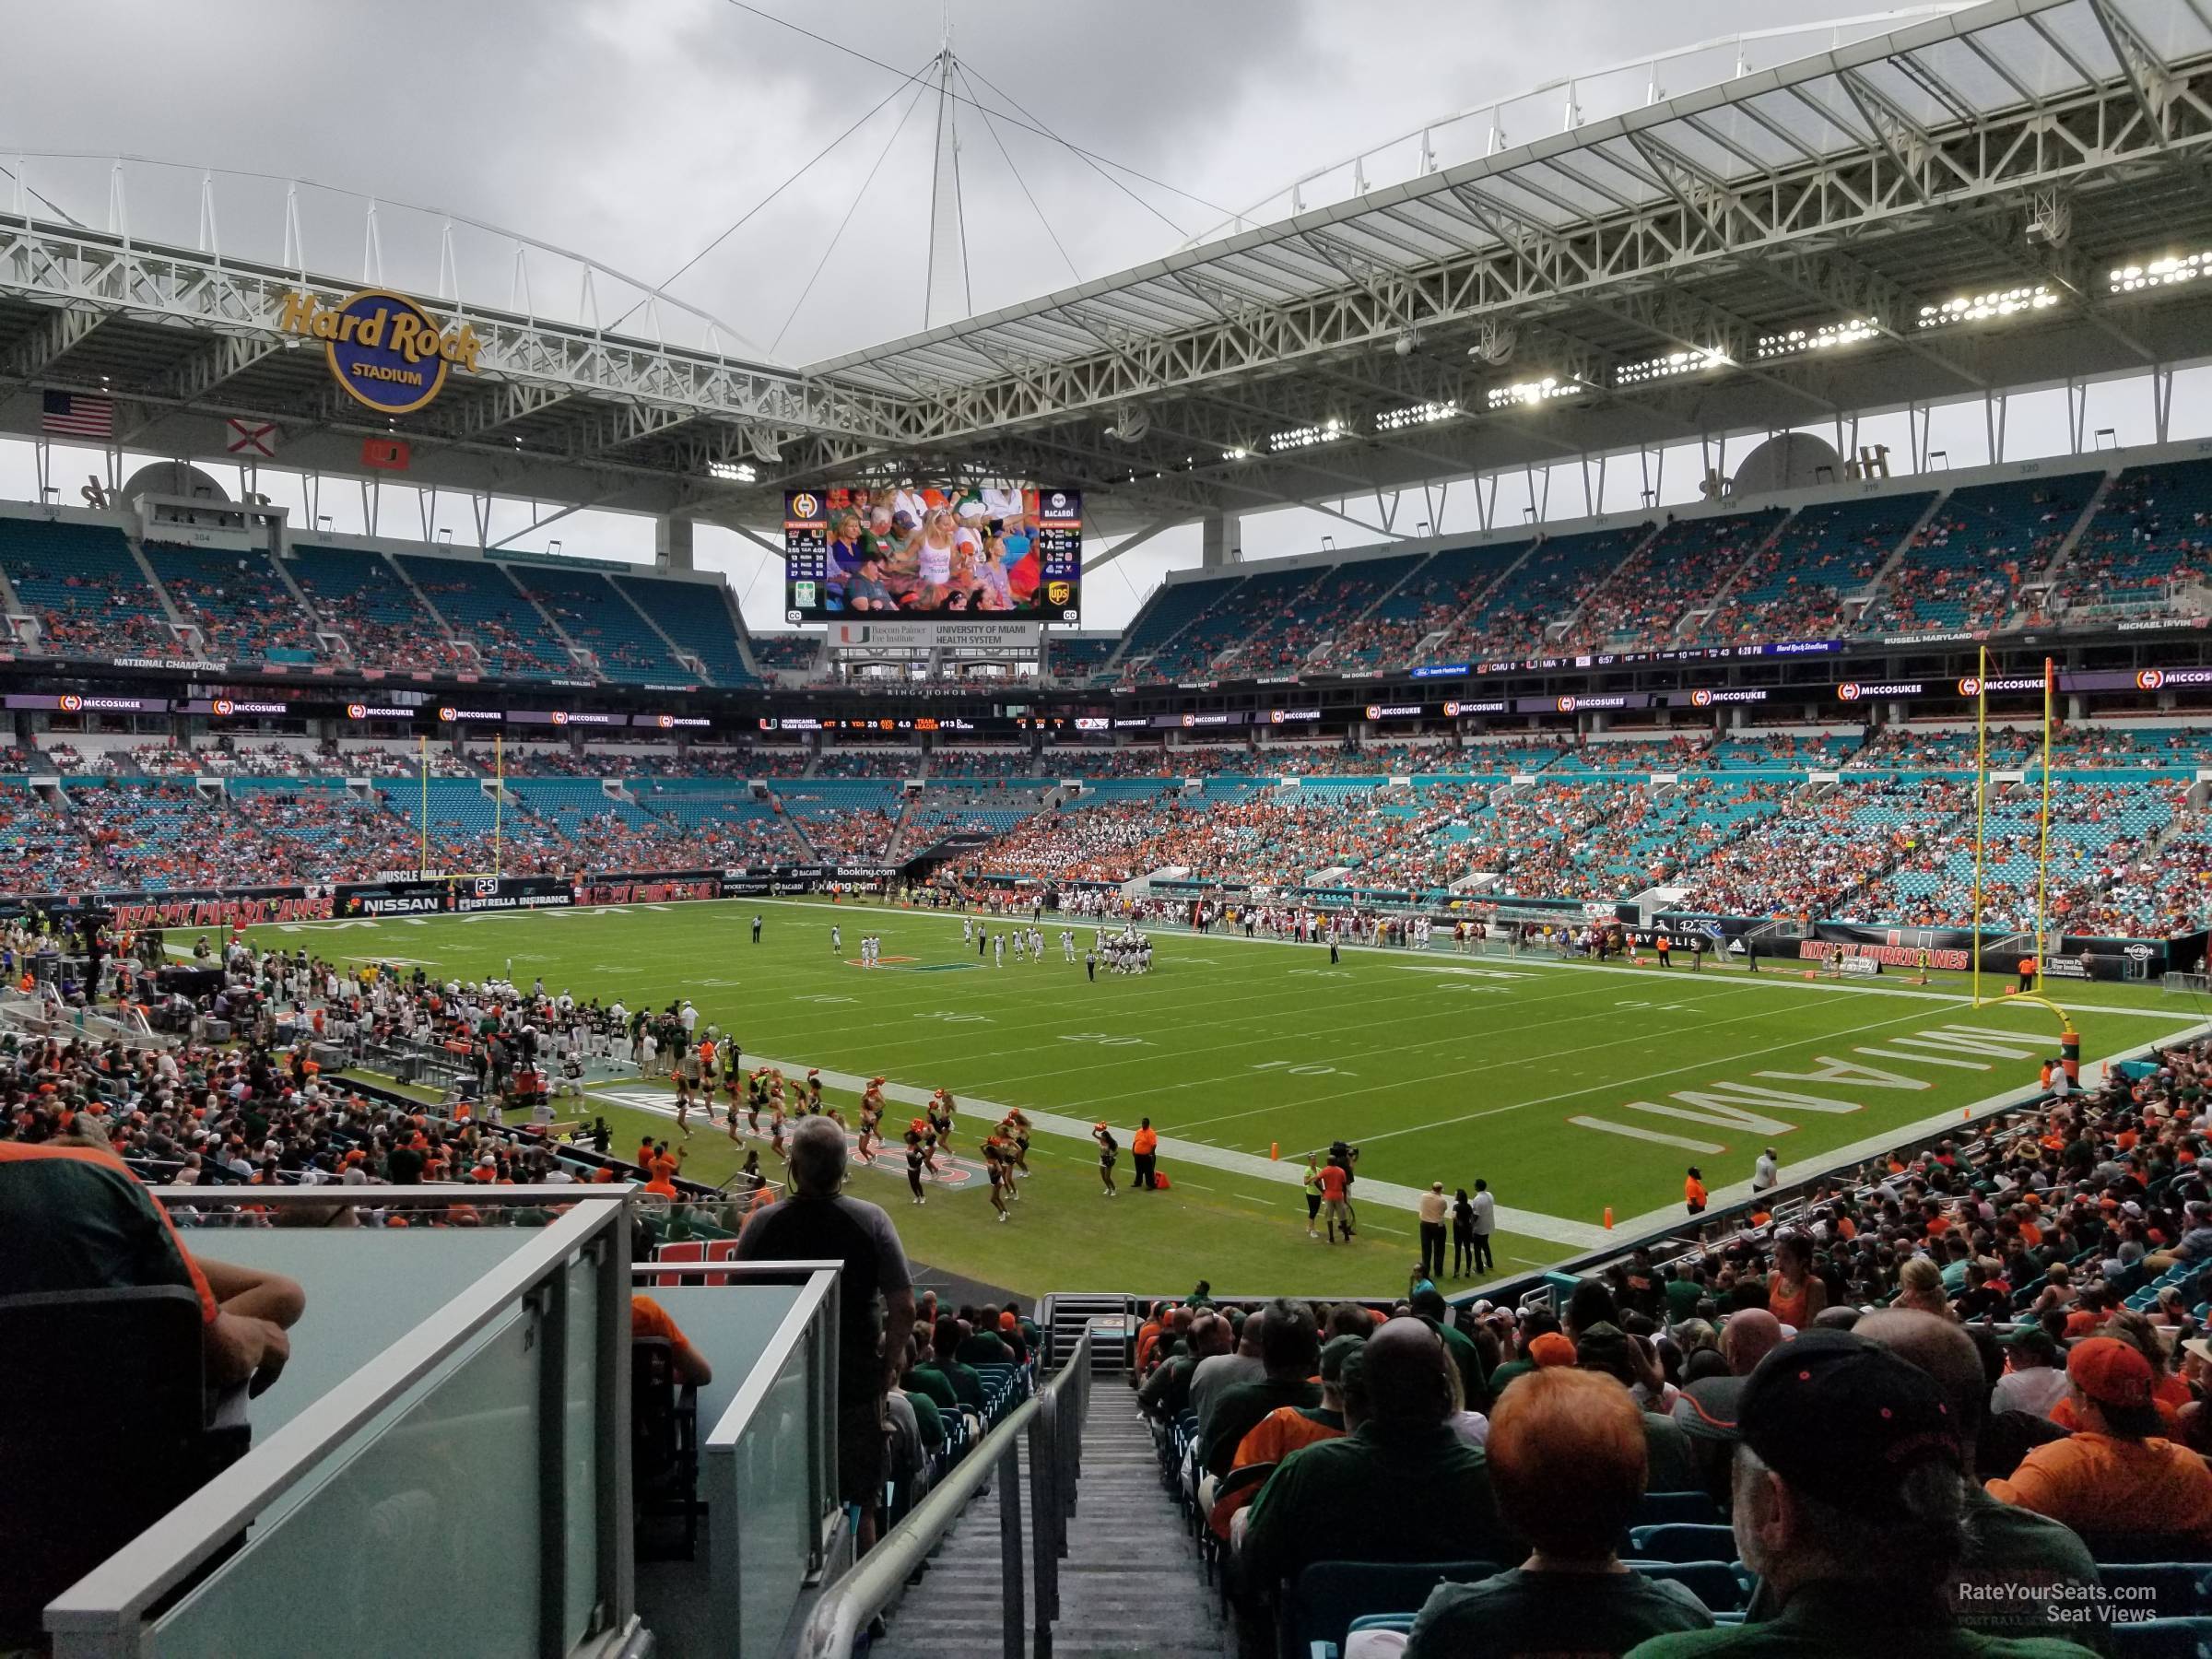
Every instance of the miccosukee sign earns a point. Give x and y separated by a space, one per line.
383 348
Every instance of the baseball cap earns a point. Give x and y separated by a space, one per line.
2111 1372
1710 1408
1845 1420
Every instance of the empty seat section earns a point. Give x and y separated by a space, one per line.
240 605
1077 662
788 653
1966 564
87 593
357 595
1546 587
1171 607
1794 589
490 612
1679 571
697 618
2150 535
594 614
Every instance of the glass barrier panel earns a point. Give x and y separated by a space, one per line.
773 1497
423 1539
581 1474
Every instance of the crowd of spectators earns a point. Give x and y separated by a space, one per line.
868 763
851 835
1931 1407
1005 762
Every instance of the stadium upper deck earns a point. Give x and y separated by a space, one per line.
85 587
2066 545
2061 545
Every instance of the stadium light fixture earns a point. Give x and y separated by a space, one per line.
1306 437
1239 453
1413 415
1826 337
2170 272
1535 391
1995 304
731 472
1670 364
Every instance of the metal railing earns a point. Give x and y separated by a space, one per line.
1051 1422
121 1607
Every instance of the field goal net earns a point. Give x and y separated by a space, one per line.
1516 929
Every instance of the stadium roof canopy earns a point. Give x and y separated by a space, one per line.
2014 195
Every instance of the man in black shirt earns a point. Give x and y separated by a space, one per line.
816 1223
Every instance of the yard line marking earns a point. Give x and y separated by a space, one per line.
1838 1157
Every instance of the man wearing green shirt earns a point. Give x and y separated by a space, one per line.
1684 1288
967 1387
1401 1487
1850 1503
1289 1349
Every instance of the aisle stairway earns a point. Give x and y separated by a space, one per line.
1130 1583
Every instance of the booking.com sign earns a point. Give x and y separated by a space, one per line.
382 347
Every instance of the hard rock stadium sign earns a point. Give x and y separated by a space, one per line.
385 350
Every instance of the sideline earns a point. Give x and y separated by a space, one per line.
1782 978
1288 1172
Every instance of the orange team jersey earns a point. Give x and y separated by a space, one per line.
1143 1142
2097 1483
1148 1339
648 1318
664 1169
1332 1182
1693 1191
1285 1429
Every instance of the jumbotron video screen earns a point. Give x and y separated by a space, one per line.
934 550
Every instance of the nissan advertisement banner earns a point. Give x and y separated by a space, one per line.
453 895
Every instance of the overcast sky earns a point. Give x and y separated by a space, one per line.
635 132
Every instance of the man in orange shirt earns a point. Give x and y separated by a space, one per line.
662 1169
2115 1474
1144 1148
649 1319
1693 1191
1331 1180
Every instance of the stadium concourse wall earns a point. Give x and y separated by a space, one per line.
136 910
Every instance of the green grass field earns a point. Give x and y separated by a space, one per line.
1571 1088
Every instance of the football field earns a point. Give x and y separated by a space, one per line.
1573 1088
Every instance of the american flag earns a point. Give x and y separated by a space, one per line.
74 414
